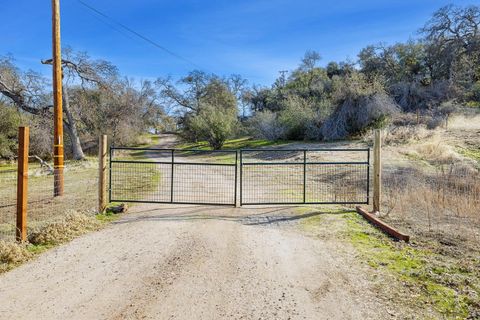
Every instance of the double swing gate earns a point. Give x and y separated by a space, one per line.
240 177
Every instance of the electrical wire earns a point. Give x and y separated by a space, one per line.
137 34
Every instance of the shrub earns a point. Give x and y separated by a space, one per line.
72 225
435 121
414 95
214 124
361 104
13 253
266 125
474 93
9 122
296 117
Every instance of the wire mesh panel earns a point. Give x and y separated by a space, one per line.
322 176
336 183
140 181
8 202
272 183
173 176
204 183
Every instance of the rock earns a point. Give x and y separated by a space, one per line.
117 209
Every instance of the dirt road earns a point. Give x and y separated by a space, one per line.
191 262
196 262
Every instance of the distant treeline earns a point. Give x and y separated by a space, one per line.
433 75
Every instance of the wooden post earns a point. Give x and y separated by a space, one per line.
57 101
102 173
377 171
22 183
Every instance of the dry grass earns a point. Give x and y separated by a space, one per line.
443 202
406 134
72 225
80 195
12 254
436 153
464 122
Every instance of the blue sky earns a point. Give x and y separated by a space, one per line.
254 38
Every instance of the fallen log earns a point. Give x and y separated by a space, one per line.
382 225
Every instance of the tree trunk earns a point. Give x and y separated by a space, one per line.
71 127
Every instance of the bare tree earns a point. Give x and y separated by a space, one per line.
78 66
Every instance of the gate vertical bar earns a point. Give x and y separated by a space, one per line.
171 176
110 154
241 177
236 178
304 176
368 176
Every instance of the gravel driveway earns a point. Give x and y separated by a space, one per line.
194 262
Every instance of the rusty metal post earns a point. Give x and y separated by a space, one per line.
22 183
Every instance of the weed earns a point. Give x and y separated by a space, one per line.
12 254
71 226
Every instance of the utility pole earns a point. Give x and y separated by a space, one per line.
283 77
57 101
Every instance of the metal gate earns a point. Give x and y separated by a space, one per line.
152 175
267 176
307 176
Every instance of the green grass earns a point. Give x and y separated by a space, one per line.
472 153
473 104
39 248
107 217
452 291
233 144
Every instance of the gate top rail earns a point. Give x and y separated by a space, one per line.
307 149
172 149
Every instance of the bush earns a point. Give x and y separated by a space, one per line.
71 226
9 122
266 125
214 124
474 93
414 95
296 117
361 104
435 122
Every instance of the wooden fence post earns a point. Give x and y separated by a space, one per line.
377 171
22 183
102 172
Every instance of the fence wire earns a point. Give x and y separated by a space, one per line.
80 195
8 202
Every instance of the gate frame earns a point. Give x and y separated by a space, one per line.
305 163
239 164
172 170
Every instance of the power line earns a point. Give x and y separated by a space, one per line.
153 43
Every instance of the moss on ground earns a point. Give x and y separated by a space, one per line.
471 153
451 290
